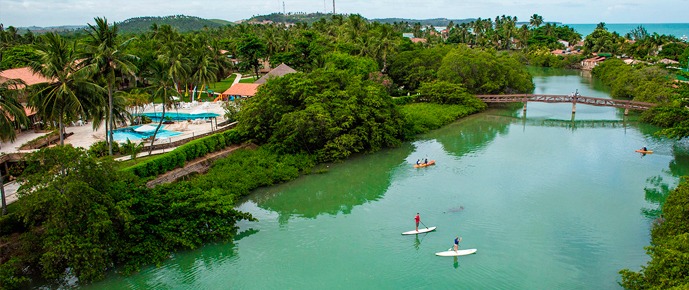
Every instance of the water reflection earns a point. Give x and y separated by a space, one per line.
656 193
471 134
455 264
364 179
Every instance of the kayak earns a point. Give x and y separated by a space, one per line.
420 231
431 162
644 151
452 253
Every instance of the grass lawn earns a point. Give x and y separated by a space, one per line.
248 80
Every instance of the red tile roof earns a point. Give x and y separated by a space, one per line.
242 89
25 74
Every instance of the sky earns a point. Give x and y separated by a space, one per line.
23 13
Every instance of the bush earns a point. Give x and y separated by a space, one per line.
187 152
10 223
100 148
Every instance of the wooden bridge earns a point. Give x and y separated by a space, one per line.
573 98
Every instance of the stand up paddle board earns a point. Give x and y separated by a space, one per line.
452 253
420 231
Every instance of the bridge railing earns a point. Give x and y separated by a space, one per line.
575 99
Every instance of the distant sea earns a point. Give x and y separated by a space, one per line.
677 29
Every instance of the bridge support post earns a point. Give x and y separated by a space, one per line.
626 111
574 108
524 106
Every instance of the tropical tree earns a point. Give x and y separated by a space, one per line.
163 88
251 49
71 94
104 57
11 115
536 20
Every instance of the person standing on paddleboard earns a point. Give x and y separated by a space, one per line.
457 240
417 219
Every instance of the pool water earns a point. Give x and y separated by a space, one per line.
121 135
175 116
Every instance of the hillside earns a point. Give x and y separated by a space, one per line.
313 17
182 23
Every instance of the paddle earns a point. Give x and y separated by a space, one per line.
423 224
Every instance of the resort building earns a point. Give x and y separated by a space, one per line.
240 90
279 71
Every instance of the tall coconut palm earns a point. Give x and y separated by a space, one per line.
105 58
536 20
11 115
71 94
163 87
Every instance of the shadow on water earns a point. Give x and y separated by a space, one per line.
365 178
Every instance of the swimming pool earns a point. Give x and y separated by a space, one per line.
176 116
122 134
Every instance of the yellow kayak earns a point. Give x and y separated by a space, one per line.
431 162
644 151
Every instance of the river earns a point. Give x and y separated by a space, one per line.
550 201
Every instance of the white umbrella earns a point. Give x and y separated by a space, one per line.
176 98
145 128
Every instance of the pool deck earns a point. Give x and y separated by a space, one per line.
85 135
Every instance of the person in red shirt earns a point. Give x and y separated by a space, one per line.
417 219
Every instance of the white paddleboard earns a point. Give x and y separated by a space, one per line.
420 231
452 253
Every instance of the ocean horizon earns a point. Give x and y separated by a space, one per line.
678 30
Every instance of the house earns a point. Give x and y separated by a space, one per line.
668 61
563 42
279 71
25 74
240 90
590 63
418 40
408 35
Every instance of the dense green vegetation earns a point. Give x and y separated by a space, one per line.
643 83
81 219
669 249
182 23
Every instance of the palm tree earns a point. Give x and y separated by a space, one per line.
104 57
71 94
11 115
536 20
163 87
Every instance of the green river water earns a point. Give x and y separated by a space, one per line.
549 201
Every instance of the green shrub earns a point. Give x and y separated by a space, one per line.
10 223
100 148
404 100
187 152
